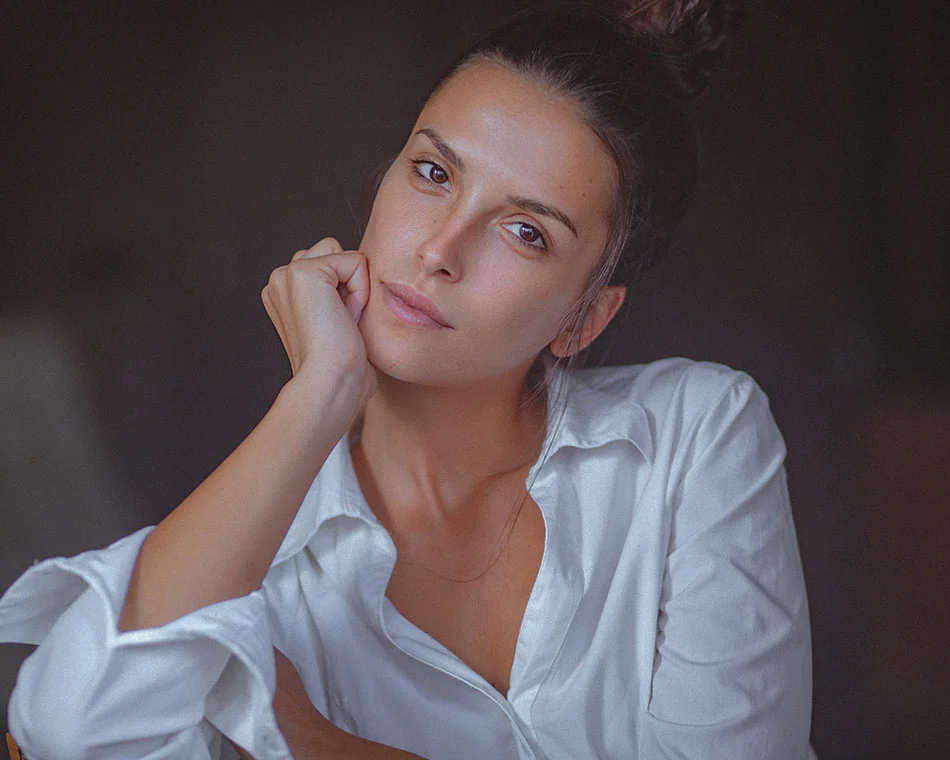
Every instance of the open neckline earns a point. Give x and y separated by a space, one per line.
415 636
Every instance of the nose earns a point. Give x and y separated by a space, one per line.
440 253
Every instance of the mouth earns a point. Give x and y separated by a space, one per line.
411 307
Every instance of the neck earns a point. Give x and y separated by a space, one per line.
435 447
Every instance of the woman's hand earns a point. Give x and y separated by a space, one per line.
315 302
309 735
307 732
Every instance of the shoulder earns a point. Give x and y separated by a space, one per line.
676 385
675 402
658 406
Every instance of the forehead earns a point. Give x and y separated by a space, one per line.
512 130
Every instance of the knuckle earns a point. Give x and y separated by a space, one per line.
331 243
297 273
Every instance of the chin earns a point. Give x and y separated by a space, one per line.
404 354
430 366
438 359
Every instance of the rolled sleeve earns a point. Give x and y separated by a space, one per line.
732 671
91 691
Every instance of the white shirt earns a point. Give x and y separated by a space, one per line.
668 618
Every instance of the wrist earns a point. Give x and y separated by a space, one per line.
332 401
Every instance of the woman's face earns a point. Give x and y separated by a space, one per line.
496 211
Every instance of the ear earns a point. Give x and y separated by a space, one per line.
598 317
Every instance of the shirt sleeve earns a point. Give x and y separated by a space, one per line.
164 693
732 669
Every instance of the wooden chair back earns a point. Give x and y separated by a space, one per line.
13 749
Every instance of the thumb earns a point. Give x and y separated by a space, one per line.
349 273
358 286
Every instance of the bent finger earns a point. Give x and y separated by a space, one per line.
323 248
358 290
349 273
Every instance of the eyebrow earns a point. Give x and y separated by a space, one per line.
537 207
444 148
525 204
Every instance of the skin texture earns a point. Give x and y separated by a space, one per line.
448 435
241 512
455 399
448 429
457 241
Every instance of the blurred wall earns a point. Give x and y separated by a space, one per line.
162 157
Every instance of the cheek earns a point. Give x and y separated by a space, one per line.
389 222
525 312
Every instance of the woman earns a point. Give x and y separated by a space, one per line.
440 541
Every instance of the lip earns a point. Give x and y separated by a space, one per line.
410 306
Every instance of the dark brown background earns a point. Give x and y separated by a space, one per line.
162 157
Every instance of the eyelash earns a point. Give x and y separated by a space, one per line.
521 241
418 162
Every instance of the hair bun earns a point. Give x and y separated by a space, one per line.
690 34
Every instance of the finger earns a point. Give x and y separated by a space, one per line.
350 275
324 248
358 286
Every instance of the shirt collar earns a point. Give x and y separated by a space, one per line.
592 407
586 409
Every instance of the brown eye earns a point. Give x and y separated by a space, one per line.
526 235
529 234
431 172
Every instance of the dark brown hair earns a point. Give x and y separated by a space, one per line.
629 67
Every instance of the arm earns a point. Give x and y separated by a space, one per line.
732 673
134 639
89 692
219 543
309 735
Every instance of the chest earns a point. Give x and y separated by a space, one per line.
591 638
469 592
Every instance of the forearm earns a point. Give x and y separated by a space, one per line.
343 746
219 543
82 687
